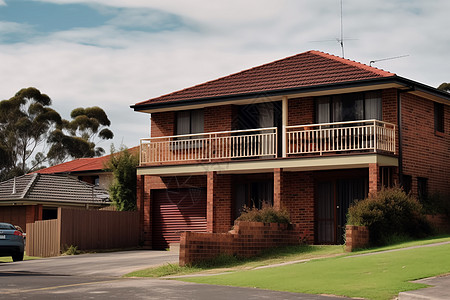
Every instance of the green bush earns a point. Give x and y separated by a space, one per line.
267 214
390 213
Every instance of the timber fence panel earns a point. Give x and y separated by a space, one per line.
43 238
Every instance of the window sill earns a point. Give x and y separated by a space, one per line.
439 133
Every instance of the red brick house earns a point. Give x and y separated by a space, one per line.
308 133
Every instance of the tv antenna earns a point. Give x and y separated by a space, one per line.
389 58
340 39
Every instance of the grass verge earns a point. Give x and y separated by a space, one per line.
9 258
380 276
230 263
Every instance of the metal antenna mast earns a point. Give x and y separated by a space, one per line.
341 41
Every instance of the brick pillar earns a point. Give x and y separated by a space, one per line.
374 178
277 188
146 213
210 181
140 205
219 203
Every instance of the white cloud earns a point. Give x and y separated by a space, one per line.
113 67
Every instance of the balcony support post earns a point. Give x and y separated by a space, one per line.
284 116
277 188
374 178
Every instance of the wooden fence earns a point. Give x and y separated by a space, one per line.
86 229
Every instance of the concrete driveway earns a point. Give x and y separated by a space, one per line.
97 276
113 264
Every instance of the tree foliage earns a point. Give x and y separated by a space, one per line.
76 138
445 86
29 127
123 189
25 120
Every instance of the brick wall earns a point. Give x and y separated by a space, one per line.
245 240
163 124
220 118
356 237
219 202
301 111
425 153
297 197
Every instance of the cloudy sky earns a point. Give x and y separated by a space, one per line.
114 53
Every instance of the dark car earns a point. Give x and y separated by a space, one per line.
11 241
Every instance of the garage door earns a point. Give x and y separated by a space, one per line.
177 210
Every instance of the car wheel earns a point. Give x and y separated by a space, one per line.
17 256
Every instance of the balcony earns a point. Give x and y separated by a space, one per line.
301 140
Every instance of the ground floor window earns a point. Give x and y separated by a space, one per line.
254 194
407 183
422 188
49 213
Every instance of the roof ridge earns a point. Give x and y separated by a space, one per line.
30 184
353 63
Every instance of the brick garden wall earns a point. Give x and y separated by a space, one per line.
245 240
356 237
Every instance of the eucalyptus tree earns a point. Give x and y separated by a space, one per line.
31 133
79 137
25 121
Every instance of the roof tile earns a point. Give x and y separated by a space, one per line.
310 68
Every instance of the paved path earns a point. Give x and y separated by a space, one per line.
440 289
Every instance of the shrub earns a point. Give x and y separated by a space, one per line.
267 214
390 212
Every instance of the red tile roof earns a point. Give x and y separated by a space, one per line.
81 164
310 68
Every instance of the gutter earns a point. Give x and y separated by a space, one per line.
406 83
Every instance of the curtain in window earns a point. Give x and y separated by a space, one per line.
323 110
373 106
337 109
197 121
183 122
265 111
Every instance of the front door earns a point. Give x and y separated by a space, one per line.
334 197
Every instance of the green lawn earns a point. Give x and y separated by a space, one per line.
380 276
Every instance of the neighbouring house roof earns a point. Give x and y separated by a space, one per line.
310 68
81 165
51 188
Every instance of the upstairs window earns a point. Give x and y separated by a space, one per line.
349 107
439 117
190 121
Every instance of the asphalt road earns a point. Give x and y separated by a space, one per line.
97 276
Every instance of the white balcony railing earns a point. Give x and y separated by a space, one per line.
209 146
310 139
361 135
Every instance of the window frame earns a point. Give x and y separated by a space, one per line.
191 114
333 99
422 188
439 118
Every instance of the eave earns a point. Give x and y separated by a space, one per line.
307 91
